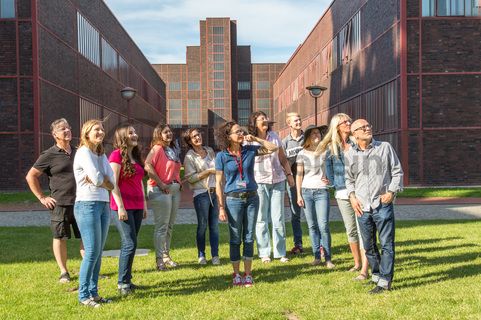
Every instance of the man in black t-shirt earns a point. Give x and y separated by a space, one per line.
57 163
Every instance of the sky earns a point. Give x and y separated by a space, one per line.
163 28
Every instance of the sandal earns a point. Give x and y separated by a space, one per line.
90 303
355 269
361 277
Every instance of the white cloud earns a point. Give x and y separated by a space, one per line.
164 27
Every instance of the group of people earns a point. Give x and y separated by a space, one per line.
243 184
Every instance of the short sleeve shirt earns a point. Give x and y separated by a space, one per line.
130 186
314 170
167 169
229 164
57 164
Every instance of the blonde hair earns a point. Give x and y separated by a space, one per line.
84 140
332 139
291 114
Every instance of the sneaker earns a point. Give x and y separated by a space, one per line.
330 265
202 260
266 260
64 278
236 280
378 290
248 281
90 303
284 259
316 262
125 291
216 261
297 250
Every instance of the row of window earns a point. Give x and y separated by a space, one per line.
446 8
7 9
97 50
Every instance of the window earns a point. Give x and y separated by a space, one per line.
124 70
243 85
88 40
218 84
219 66
445 8
218 103
263 85
109 59
194 111
218 38
218 93
7 9
175 86
218 48
194 85
175 104
350 39
219 75
243 111
218 30
263 104
218 57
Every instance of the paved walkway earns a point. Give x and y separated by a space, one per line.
187 215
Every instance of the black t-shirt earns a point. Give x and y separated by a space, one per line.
57 164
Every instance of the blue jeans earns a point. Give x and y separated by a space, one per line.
316 203
271 209
93 219
165 207
128 231
381 220
242 216
207 212
295 216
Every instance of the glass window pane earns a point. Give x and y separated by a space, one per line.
218 93
175 86
7 8
428 8
194 85
218 57
218 48
218 84
217 30
218 66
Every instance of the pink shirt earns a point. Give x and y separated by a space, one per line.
167 170
130 187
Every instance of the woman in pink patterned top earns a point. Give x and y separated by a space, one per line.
127 199
163 166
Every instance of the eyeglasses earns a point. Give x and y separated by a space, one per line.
364 128
346 122
238 132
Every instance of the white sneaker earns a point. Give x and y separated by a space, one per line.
284 259
330 265
202 260
215 261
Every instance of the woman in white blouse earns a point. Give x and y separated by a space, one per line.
94 179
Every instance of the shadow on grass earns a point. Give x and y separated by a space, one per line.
221 282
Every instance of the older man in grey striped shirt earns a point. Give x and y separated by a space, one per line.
373 177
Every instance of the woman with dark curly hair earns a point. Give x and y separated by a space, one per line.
127 200
235 165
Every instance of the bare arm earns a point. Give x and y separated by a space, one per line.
219 177
287 168
151 171
33 181
145 200
299 178
266 146
122 213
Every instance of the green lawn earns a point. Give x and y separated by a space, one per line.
437 276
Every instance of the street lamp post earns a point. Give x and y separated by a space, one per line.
316 92
128 94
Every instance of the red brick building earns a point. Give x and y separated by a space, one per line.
411 67
218 82
70 59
